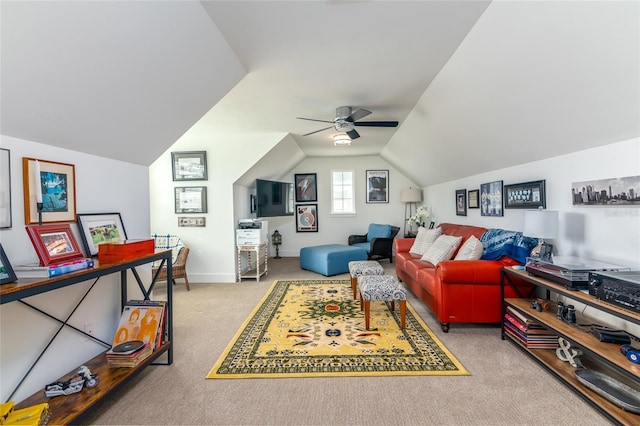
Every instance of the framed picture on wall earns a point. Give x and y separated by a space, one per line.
377 186
306 218
306 187
473 197
5 188
191 199
54 185
189 165
461 202
491 199
527 195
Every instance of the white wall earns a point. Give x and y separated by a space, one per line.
609 234
102 186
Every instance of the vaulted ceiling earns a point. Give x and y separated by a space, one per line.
475 85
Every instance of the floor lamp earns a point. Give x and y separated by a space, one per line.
410 197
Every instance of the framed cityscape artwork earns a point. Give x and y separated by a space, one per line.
491 199
377 186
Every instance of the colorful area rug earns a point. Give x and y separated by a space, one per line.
314 328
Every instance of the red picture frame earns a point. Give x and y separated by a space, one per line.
54 243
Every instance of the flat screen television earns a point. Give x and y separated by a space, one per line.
274 198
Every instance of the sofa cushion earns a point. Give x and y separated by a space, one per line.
442 249
470 250
378 231
424 239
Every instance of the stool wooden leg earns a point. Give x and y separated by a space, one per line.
393 305
367 310
354 286
403 313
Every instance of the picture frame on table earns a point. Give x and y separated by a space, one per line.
100 228
191 199
7 275
5 189
189 165
55 184
491 199
461 202
377 186
54 243
306 187
473 198
306 218
526 195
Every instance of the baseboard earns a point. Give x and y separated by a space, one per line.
211 278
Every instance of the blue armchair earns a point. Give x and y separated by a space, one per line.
378 241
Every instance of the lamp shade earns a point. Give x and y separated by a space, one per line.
540 224
411 195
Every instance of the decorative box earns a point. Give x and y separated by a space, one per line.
125 250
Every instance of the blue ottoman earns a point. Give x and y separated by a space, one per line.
330 259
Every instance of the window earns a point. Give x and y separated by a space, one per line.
342 192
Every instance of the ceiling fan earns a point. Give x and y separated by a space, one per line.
346 121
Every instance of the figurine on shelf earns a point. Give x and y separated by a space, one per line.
73 385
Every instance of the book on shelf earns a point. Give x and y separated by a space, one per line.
34 270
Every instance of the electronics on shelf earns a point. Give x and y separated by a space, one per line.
572 272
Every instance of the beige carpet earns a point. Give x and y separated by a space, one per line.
504 388
315 328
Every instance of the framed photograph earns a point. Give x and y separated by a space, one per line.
527 195
6 271
191 199
306 187
491 199
377 186
5 188
461 202
54 243
612 192
307 218
474 199
100 228
54 185
189 165
197 222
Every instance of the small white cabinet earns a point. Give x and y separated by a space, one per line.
252 261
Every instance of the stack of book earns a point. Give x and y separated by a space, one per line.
141 321
53 270
527 331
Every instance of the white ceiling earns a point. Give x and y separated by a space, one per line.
475 85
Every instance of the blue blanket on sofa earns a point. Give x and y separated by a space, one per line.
500 242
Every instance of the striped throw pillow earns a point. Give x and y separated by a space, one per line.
442 249
424 239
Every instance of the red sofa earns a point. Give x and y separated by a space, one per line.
456 291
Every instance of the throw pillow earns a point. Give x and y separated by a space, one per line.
378 231
424 239
442 249
471 249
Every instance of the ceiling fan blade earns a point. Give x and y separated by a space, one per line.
313 119
358 115
353 134
326 128
376 123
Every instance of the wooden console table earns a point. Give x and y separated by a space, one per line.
597 355
69 409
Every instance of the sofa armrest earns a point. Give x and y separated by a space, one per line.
356 239
403 245
469 271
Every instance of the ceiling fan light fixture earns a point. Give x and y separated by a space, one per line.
341 140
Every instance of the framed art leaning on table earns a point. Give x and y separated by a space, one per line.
54 243
100 228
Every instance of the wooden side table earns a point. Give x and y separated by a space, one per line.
256 267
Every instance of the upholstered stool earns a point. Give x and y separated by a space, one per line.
330 259
360 268
382 288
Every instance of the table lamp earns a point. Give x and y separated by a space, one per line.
410 197
541 224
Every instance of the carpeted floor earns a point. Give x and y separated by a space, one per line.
315 328
505 387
